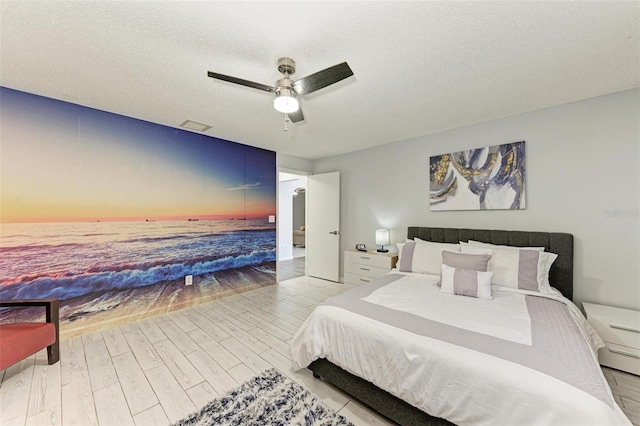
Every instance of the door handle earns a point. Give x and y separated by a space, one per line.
333 232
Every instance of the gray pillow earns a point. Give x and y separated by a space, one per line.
472 262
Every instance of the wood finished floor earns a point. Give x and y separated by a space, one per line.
158 370
293 268
626 392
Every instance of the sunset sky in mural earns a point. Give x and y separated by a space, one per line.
70 163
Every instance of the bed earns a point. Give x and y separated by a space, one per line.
406 349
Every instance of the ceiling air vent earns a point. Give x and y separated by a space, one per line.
194 125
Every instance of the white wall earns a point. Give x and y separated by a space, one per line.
285 161
582 163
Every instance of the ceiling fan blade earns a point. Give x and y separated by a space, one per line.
242 82
296 116
323 78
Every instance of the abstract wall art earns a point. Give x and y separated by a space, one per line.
121 219
490 178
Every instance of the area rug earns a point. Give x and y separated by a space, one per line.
267 399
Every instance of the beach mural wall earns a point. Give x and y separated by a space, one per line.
109 214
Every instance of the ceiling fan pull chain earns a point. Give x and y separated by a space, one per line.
286 120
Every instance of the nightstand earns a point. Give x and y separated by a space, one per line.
620 330
361 267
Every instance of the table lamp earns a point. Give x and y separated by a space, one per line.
382 239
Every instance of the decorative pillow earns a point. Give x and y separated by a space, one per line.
525 268
549 258
465 282
405 256
474 262
400 245
423 257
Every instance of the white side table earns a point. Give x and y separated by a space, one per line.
620 330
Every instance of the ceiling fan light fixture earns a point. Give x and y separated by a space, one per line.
287 90
285 100
286 104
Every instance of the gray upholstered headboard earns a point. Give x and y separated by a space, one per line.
561 273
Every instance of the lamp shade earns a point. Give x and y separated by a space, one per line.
285 103
382 237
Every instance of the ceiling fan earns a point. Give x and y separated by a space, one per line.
286 90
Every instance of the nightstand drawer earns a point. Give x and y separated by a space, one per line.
365 258
356 279
366 270
620 357
615 325
612 333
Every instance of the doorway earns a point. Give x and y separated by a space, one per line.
292 238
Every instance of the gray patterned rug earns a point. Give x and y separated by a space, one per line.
267 399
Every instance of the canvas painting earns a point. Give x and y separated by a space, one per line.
121 219
490 178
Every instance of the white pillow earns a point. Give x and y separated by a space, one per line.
525 268
481 244
466 282
464 248
427 256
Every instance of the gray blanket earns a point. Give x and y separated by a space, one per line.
558 348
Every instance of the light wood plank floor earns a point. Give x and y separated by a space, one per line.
158 370
626 392
293 268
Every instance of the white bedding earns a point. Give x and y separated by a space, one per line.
465 386
411 295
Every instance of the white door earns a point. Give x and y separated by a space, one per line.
323 226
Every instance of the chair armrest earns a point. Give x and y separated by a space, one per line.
52 307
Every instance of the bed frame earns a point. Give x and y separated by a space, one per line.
560 277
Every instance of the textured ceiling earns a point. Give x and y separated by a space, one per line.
420 67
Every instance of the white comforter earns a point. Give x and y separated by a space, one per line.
462 385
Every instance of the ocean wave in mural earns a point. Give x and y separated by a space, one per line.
118 256
487 178
109 214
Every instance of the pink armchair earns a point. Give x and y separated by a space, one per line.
20 340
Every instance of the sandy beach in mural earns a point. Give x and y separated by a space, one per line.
110 273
